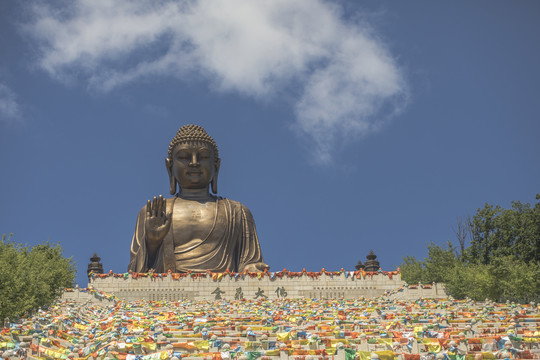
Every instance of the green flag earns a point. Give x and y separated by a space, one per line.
350 354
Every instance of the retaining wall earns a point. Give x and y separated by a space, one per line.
231 287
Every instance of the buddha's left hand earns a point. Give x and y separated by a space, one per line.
256 267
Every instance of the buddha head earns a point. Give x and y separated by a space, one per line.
192 160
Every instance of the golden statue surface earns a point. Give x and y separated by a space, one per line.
194 230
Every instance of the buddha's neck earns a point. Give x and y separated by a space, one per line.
195 194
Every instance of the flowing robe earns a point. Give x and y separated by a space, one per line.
230 245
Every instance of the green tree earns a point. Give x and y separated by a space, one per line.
506 232
502 263
517 280
434 268
439 261
412 270
31 277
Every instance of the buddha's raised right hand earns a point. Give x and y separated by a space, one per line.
157 223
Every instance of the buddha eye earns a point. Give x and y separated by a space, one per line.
204 155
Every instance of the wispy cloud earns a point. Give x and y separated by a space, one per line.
345 80
9 107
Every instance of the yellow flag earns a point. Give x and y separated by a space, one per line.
202 345
150 346
282 336
432 345
364 355
386 341
386 355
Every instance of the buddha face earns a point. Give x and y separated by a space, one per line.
193 165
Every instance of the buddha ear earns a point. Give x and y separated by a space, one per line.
214 179
172 180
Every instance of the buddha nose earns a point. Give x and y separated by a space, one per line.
194 161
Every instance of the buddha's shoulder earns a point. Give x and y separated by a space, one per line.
235 205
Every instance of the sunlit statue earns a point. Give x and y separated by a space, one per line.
195 230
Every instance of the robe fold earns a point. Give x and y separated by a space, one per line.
230 245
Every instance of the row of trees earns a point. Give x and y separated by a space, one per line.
501 263
31 277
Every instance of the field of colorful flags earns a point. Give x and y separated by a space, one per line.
282 329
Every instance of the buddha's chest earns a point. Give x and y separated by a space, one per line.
193 221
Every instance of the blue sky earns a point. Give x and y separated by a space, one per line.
344 126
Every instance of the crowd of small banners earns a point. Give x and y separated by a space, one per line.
277 329
359 274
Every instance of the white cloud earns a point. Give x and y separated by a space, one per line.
345 79
9 108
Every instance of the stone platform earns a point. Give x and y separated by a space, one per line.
271 285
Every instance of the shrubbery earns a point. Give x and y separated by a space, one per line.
31 277
502 262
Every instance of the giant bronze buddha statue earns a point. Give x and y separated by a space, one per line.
194 230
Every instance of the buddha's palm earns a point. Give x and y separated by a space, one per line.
158 221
